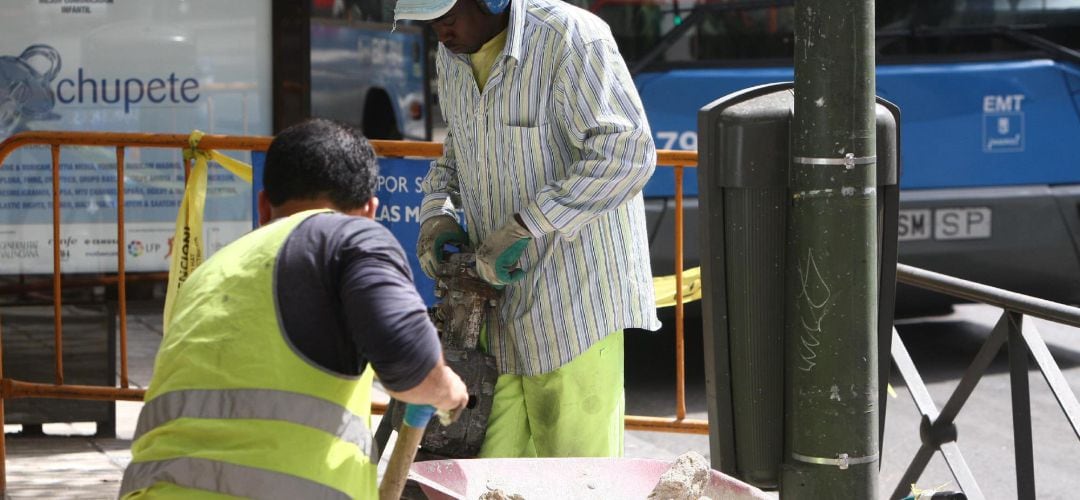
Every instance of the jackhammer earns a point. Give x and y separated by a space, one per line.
465 300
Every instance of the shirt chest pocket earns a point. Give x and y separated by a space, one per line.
526 159
524 97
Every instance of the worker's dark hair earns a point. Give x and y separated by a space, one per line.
321 158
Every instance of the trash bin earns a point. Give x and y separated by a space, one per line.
743 175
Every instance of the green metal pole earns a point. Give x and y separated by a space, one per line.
831 423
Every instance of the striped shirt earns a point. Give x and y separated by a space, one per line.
559 136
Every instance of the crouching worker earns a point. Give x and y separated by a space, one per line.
262 384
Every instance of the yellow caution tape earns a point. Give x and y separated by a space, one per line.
664 288
187 242
921 494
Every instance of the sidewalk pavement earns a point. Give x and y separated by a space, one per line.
70 462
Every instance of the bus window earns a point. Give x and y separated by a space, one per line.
697 31
375 11
744 34
973 29
665 33
368 73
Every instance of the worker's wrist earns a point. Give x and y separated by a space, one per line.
517 229
434 205
532 219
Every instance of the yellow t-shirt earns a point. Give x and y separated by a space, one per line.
481 60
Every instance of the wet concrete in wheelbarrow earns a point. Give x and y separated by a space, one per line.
578 478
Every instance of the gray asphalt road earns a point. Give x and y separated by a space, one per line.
942 348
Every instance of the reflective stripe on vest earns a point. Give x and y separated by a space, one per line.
222 477
263 404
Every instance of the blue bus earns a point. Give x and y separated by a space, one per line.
989 94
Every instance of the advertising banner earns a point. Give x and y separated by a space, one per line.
399 210
125 66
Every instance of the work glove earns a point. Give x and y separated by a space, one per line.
497 257
434 233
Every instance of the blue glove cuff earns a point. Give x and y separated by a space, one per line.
418 415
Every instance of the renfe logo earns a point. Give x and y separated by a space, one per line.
83 90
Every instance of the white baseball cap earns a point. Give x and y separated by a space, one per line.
422 10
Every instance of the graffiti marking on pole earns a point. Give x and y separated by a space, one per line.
817 293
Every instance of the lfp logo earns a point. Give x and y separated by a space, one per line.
136 248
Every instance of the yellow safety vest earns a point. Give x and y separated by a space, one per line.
234 409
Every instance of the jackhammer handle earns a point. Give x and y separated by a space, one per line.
409 436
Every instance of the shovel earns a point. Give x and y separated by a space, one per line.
409 435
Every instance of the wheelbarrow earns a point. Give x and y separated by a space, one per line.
545 478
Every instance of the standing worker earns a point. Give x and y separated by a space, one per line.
261 387
547 151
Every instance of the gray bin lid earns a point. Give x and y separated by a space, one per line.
743 138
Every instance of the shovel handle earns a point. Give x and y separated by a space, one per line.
408 440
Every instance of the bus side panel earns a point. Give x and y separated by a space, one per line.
988 124
671 103
964 125
1016 238
1068 199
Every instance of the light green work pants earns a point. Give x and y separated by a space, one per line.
575 411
